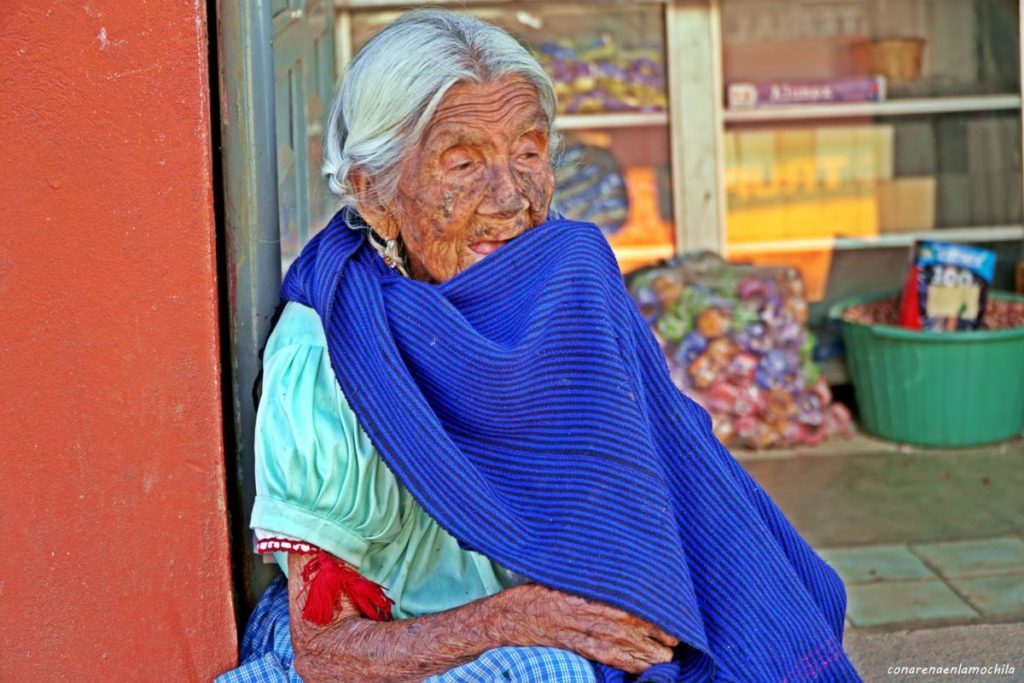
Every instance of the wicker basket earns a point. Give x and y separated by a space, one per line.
898 59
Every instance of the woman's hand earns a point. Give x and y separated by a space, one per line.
535 615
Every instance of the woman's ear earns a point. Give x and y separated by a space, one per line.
376 215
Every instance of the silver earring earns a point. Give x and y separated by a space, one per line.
391 254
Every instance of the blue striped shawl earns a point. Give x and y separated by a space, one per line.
528 409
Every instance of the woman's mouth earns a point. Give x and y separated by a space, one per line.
487 247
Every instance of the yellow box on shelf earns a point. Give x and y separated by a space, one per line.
805 182
849 211
907 204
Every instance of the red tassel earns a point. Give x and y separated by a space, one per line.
326 578
910 313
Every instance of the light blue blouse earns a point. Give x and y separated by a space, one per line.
320 480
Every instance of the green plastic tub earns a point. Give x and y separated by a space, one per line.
936 389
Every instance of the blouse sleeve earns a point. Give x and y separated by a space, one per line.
318 477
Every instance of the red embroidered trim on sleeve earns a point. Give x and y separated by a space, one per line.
273 544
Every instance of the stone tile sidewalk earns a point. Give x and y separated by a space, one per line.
930 544
918 584
897 656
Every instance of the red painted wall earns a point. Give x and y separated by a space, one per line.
112 486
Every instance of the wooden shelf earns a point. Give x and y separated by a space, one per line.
652 252
995 233
625 119
908 107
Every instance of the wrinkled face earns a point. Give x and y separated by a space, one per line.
480 176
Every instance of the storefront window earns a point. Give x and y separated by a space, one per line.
864 123
302 90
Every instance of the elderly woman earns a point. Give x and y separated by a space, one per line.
471 463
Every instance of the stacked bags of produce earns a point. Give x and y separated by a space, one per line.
736 341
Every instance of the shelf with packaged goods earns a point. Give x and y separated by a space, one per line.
630 119
903 107
995 233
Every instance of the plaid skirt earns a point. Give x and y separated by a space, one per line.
267 655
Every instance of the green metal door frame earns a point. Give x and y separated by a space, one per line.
275 60
253 246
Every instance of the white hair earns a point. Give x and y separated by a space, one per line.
395 82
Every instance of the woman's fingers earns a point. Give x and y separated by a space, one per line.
625 643
629 659
647 628
603 633
661 637
638 642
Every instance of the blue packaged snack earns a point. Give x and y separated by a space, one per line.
950 283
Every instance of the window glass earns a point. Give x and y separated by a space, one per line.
864 121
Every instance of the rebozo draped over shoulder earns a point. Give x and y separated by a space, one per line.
528 409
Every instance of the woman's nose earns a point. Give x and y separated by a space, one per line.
506 196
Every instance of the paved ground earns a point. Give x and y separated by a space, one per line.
930 544
997 646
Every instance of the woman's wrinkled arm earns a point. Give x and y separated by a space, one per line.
353 648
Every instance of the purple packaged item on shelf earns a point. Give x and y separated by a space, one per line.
746 95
